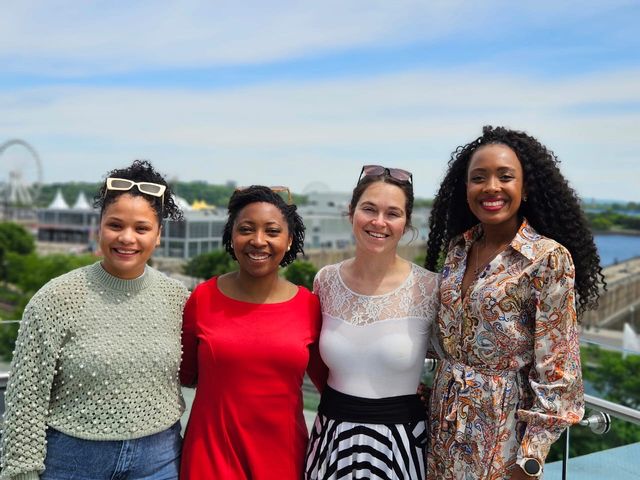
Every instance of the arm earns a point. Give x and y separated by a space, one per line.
555 377
316 369
29 388
189 362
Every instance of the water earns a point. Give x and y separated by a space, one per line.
616 248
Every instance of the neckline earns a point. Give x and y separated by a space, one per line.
390 292
243 302
116 283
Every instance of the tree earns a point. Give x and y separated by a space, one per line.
301 272
13 239
209 264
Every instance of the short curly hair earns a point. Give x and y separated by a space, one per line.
552 208
259 193
140 171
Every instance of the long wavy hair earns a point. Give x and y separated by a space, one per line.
552 208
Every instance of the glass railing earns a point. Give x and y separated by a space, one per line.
605 445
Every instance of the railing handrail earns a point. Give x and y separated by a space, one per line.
621 412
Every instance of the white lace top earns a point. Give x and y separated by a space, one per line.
375 345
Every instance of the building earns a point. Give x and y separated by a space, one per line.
325 216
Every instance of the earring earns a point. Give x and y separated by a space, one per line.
524 198
288 248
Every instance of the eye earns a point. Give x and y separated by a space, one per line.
476 179
367 208
143 229
506 177
274 232
244 229
114 225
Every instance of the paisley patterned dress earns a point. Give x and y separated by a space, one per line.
510 381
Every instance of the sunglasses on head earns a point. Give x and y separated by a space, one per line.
148 188
376 170
124 184
276 189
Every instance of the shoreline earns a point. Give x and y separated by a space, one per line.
625 233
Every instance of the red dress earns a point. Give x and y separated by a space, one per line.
248 361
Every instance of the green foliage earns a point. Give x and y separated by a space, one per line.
616 379
13 239
30 272
210 264
301 272
611 219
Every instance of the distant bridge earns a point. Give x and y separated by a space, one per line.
620 304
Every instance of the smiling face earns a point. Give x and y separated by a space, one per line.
495 185
379 217
129 233
260 238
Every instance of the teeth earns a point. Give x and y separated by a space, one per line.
377 235
125 252
497 203
258 256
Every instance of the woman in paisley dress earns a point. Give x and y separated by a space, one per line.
377 315
520 268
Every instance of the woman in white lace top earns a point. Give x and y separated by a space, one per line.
377 311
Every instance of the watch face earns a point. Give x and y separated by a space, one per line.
532 467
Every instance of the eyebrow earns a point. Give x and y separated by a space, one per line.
392 207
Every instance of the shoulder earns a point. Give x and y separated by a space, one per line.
168 284
305 295
324 276
72 282
546 250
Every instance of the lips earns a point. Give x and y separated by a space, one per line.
492 204
125 251
376 234
258 256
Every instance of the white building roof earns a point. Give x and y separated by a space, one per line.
58 202
82 203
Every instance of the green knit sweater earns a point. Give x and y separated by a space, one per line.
97 358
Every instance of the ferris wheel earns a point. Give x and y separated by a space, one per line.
20 173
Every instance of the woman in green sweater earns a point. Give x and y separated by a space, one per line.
94 391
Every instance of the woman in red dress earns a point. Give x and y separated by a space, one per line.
248 338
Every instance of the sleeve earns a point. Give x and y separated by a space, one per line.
29 389
556 376
189 362
316 369
434 351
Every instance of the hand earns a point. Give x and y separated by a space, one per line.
518 473
424 393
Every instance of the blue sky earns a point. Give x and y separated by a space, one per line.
284 92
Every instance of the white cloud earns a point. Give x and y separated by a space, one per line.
88 38
295 133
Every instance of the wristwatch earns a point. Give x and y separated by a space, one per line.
531 466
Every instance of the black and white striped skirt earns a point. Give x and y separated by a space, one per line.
355 437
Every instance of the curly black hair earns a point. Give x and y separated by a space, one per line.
552 208
259 193
140 171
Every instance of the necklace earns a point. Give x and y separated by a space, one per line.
479 268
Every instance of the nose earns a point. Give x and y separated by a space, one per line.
378 219
492 184
126 236
259 239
